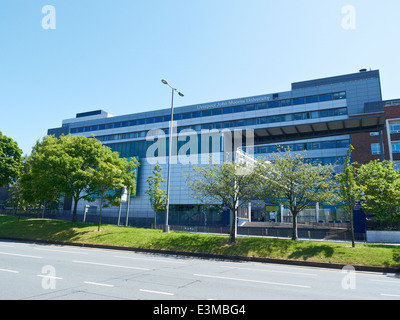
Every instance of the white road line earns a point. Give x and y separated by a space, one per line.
254 281
276 271
6 245
99 284
110 265
394 282
10 271
49 277
390 295
157 292
149 259
20 255
61 251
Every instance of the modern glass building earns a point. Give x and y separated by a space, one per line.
316 116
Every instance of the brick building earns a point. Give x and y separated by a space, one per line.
380 145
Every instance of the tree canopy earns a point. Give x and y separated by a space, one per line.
10 160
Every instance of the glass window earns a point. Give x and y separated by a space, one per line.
300 116
238 109
376 148
325 97
196 114
109 126
150 120
273 104
125 124
227 110
288 117
298 101
240 123
395 127
132 123
343 144
313 99
142 121
167 118
261 106
342 111
339 95
216 112
159 119
86 129
250 107
94 128
396 147
206 113
285 103
102 127
324 113
117 124
74 130
186 116
299 146
177 116
372 134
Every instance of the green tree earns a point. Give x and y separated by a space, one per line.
68 165
110 177
158 197
227 183
350 191
381 185
290 180
10 160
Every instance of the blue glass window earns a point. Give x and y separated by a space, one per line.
142 121
216 112
286 103
117 124
273 104
206 113
238 109
325 97
150 120
196 114
133 123
178 116
167 118
261 106
312 99
227 110
186 116
298 101
250 107
74 130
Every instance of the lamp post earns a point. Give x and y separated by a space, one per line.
166 226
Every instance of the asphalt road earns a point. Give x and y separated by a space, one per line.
50 272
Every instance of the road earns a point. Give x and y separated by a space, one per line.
52 272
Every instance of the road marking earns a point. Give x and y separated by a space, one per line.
254 281
157 292
395 282
277 271
99 284
110 265
49 277
21 255
149 259
390 295
10 271
62 251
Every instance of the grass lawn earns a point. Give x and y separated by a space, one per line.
316 251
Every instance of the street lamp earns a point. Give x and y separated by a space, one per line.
166 226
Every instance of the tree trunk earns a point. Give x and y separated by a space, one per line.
353 244
294 231
75 209
101 208
232 238
155 219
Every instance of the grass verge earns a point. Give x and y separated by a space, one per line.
315 251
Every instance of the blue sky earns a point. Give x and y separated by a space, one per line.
111 55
